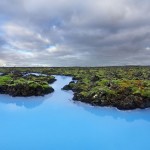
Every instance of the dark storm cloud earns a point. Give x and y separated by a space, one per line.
73 33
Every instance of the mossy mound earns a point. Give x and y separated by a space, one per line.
25 86
123 94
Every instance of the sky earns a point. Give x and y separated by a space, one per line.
74 32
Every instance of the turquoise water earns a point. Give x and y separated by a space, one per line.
55 122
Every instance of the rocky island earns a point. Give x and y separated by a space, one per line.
123 87
18 84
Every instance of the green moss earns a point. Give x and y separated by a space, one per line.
5 79
19 85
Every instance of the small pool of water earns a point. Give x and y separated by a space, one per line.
36 74
55 122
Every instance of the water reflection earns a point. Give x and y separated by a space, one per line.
27 102
129 116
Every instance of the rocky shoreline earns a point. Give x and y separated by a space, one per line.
25 90
16 84
125 100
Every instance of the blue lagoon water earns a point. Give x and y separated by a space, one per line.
55 122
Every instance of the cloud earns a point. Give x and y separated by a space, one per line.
71 33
